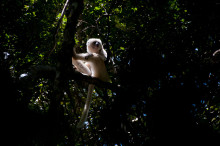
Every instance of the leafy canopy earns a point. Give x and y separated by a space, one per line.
166 81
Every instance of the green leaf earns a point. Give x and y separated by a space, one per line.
134 9
122 48
97 8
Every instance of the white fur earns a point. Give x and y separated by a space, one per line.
94 67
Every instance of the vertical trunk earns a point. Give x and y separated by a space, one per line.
64 66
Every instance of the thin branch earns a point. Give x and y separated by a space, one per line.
58 27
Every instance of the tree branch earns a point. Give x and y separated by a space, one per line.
49 72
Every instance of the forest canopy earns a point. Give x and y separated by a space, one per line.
163 61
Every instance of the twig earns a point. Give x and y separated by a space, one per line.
58 27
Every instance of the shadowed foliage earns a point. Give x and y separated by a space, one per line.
165 85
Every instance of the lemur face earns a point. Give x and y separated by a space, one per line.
94 45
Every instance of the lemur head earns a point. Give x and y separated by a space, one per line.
94 45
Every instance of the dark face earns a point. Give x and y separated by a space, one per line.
94 45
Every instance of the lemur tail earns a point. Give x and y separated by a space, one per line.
86 107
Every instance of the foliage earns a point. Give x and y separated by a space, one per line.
165 81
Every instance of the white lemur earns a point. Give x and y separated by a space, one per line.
91 64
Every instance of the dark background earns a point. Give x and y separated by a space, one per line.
165 80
